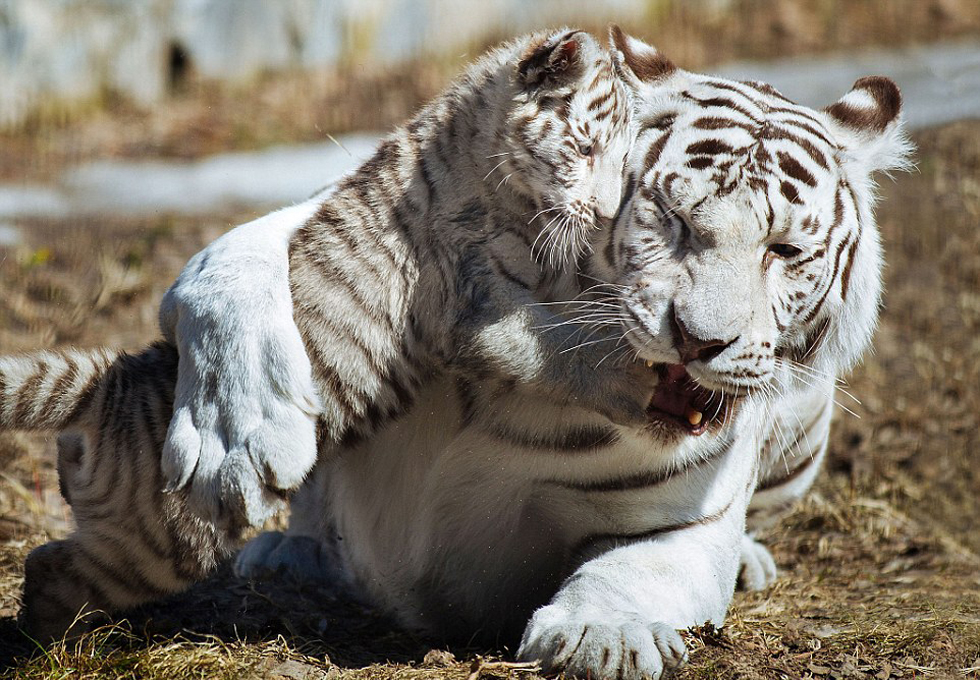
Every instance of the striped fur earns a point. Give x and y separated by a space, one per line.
456 253
423 260
49 390
131 543
503 501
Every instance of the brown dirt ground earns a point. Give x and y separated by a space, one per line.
880 565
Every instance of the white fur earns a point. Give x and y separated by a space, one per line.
485 524
230 315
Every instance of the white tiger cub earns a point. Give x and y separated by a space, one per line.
409 266
746 269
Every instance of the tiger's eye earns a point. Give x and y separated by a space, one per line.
586 148
784 250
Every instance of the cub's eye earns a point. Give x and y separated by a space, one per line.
784 250
586 148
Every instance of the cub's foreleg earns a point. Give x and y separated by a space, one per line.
113 563
502 332
245 409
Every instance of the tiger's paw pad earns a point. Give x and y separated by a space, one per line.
595 647
758 568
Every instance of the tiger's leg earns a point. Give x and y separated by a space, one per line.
133 542
298 558
70 585
618 614
504 332
53 602
310 552
244 416
792 456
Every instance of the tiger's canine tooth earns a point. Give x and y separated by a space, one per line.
649 363
694 417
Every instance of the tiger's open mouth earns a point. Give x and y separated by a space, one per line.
680 401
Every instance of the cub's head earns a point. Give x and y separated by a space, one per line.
568 137
747 244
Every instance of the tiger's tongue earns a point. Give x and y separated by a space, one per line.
673 395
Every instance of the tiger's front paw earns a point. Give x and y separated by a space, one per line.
239 448
243 434
301 559
601 646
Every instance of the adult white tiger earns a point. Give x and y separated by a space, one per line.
747 269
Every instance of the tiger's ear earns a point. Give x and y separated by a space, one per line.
555 60
637 61
868 120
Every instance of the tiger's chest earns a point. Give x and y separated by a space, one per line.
500 505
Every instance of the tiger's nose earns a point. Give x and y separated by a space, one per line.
692 348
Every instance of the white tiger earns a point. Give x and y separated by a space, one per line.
744 268
500 503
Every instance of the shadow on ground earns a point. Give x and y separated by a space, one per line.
226 610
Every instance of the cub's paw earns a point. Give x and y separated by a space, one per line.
758 568
598 647
243 433
301 559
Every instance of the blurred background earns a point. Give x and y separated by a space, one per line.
134 132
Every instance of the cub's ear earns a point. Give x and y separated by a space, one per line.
637 61
868 121
555 60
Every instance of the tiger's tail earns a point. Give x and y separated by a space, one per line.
51 390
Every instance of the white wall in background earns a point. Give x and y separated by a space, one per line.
68 50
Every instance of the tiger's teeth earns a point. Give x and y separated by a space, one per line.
649 363
694 417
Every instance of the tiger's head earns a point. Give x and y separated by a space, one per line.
747 247
569 132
